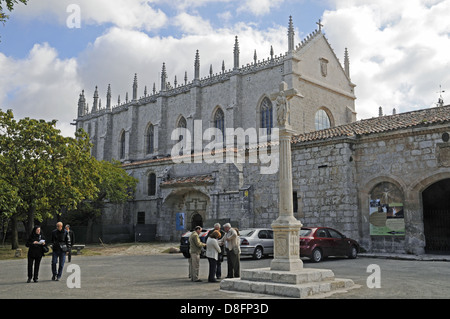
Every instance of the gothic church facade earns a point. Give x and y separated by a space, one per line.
340 171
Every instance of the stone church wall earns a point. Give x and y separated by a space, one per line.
324 179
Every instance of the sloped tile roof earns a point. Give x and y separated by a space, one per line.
190 180
380 124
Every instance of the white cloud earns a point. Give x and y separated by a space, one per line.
136 14
398 51
191 24
258 7
40 86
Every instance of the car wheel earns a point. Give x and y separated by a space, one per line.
316 255
258 253
353 252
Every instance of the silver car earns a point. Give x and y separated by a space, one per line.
257 242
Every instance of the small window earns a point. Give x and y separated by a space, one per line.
295 201
141 218
152 184
322 120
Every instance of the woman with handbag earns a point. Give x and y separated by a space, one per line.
35 244
60 246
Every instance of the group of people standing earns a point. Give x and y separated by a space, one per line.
219 242
62 241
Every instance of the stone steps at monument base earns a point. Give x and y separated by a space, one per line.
287 277
298 284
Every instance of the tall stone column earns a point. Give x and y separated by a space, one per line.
286 227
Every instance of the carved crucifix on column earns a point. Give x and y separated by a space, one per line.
283 107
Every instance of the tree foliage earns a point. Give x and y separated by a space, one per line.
114 185
10 6
42 171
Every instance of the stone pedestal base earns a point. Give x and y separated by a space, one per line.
286 232
294 284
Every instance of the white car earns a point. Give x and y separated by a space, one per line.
257 242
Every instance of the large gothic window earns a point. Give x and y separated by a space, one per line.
322 120
267 115
150 138
122 146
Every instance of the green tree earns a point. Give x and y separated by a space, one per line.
46 170
114 186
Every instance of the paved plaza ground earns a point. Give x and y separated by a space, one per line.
164 276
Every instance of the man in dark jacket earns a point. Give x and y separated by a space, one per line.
61 245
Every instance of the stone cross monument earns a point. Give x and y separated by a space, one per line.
286 275
286 227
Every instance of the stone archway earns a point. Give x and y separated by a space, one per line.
191 202
436 217
196 220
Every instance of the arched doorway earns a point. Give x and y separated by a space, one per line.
436 217
196 220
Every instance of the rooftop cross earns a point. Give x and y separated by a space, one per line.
320 24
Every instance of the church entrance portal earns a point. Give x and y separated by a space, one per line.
196 220
436 217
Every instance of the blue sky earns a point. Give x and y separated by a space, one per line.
70 42
398 50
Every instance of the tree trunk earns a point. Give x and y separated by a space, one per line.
14 233
30 220
89 230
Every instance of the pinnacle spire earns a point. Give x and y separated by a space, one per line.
95 106
108 97
163 77
81 105
135 86
291 34
236 53
346 63
197 66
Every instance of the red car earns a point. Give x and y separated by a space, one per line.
318 243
